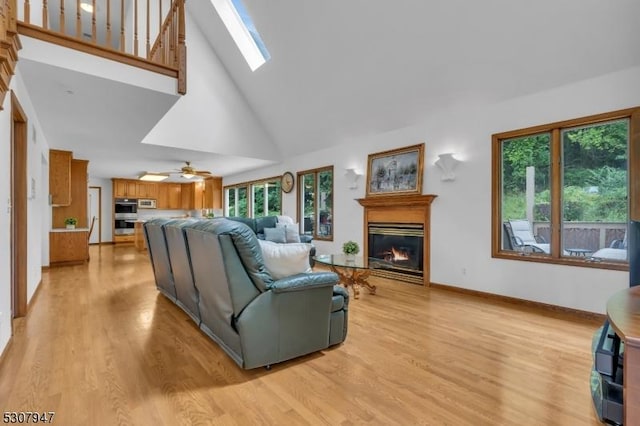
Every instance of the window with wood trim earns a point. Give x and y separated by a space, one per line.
315 203
254 199
561 192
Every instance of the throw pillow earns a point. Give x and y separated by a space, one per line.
292 235
287 220
283 260
276 235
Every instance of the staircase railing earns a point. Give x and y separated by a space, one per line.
120 30
9 45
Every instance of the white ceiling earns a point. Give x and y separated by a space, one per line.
344 69
341 69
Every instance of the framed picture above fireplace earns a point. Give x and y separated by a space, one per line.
395 172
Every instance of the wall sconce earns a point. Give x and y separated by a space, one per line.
447 164
352 178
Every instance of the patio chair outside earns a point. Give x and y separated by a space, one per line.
521 237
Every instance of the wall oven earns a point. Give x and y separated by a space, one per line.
126 205
125 216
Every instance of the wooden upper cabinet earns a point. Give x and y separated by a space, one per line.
198 195
186 196
162 196
79 197
174 194
147 190
212 193
60 177
123 188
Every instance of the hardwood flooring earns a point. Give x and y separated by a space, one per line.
100 346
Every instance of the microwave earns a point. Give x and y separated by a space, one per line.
146 204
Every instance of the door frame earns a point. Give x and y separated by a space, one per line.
19 132
99 188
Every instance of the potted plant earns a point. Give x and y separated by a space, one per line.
350 249
71 222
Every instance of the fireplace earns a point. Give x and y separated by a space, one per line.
396 229
397 248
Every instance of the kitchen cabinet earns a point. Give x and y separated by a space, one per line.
212 197
186 196
60 177
123 188
162 200
174 194
68 246
147 190
79 195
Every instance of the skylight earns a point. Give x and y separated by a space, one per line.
243 31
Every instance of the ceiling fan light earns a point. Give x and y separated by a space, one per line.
152 177
187 175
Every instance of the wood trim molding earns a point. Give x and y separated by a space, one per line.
522 302
19 251
401 209
33 31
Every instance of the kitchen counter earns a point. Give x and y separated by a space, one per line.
69 230
68 246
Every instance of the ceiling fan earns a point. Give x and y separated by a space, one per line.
188 172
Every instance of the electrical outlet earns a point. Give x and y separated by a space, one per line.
464 271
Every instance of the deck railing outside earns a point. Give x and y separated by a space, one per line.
145 33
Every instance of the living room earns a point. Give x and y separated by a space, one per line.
461 215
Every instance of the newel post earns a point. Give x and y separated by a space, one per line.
182 50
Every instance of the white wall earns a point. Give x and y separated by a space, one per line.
461 215
213 116
36 147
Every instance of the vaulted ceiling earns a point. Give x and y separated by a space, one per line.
341 69
344 69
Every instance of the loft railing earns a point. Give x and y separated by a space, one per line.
9 45
121 30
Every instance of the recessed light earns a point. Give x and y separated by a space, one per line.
86 7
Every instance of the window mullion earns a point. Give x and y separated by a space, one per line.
556 193
634 166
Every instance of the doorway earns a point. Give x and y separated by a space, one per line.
95 208
19 209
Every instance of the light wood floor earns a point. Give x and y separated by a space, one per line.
100 346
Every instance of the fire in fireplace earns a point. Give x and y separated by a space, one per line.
397 248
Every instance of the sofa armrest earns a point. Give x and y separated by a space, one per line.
301 282
306 238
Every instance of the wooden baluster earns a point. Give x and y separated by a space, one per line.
27 12
160 46
78 20
109 24
94 31
122 25
148 45
62 17
45 14
135 28
172 37
182 50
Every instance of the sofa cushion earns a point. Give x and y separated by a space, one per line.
283 260
251 223
275 235
265 222
292 235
